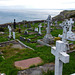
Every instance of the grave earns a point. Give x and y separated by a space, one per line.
25 64
36 29
48 38
60 56
9 27
70 35
26 32
40 29
22 39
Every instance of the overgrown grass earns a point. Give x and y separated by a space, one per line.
14 54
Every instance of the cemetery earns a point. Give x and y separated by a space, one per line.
38 48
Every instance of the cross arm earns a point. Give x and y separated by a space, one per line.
64 57
53 50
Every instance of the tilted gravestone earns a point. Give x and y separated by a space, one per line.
48 38
60 56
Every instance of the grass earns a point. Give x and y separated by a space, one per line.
14 54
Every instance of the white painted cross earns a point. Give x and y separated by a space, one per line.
60 56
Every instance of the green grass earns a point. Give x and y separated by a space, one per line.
14 54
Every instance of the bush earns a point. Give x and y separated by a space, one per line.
1 29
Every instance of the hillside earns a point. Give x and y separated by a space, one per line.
65 15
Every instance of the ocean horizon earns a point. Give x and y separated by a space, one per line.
8 15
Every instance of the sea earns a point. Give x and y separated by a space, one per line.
8 15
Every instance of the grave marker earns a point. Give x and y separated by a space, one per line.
48 37
60 56
40 29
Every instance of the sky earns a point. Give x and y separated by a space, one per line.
37 4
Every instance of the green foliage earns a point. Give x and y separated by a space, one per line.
2 29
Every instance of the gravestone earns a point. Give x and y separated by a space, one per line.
14 35
14 25
9 31
64 35
28 40
60 56
48 37
22 39
40 29
70 35
36 29
26 32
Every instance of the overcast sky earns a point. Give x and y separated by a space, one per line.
42 4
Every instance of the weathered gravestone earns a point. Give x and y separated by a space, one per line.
60 56
26 32
70 34
48 38
9 27
64 36
36 29
22 39
40 29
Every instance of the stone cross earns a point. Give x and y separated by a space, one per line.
40 29
13 35
48 25
70 22
60 56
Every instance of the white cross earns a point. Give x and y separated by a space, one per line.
60 56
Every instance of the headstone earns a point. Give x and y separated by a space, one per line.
14 25
64 35
22 39
26 32
9 31
60 56
69 34
36 29
48 37
28 40
13 35
40 29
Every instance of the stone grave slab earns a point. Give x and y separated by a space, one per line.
25 64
